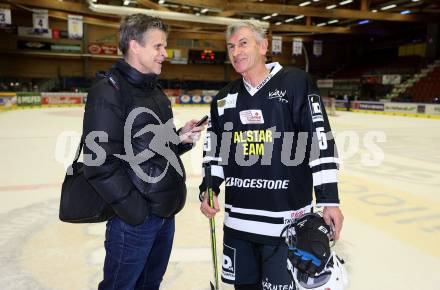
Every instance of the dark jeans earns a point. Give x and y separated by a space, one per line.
137 256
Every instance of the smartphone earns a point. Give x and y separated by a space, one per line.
202 121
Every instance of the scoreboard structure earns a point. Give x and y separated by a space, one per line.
206 56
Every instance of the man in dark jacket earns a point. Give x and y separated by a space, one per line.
132 158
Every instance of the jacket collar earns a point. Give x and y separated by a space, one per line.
135 77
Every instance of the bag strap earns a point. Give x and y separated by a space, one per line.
116 85
78 151
99 75
120 85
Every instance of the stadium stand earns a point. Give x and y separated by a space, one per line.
405 65
427 88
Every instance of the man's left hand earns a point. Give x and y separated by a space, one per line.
334 218
190 133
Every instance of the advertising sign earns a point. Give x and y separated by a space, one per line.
62 98
75 26
432 109
100 48
297 46
371 106
401 107
317 48
28 99
40 20
5 17
277 44
325 83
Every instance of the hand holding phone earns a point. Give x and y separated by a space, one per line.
190 133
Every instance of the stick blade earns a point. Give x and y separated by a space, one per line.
212 286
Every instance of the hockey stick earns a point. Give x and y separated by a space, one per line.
208 179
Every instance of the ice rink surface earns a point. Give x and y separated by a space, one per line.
389 187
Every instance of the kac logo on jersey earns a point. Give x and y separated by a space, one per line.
251 117
315 107
228 265
278 95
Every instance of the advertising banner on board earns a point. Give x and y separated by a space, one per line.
28 99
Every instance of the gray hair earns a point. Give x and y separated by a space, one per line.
134 26
254 25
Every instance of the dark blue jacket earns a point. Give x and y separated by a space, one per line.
109 103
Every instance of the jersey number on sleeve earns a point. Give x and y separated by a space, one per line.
322 138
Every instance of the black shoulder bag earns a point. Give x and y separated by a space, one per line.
80 202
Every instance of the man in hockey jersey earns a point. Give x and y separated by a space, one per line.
259 141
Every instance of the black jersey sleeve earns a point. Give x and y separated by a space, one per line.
323 159
211 150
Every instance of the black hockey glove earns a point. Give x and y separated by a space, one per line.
311 249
